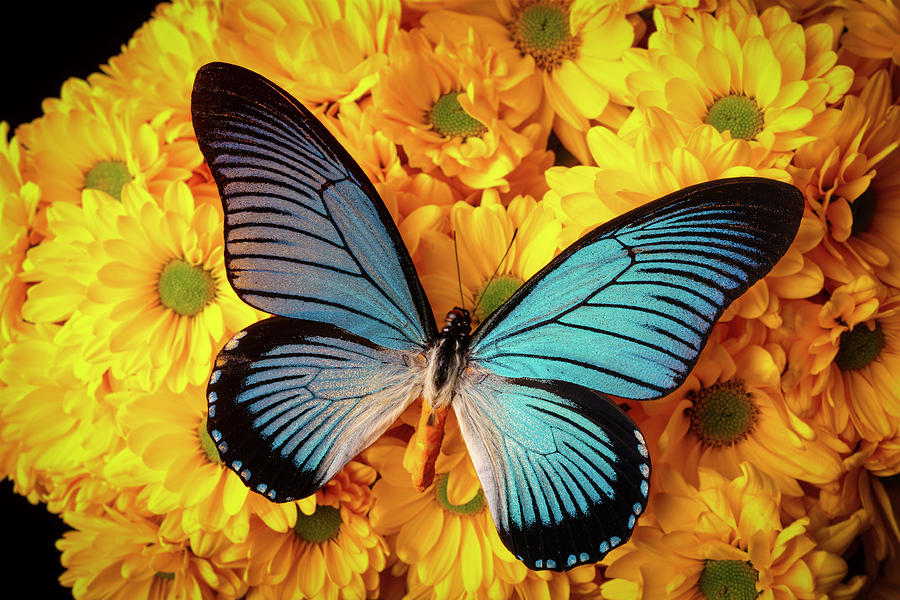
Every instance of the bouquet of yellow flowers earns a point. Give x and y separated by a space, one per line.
497 133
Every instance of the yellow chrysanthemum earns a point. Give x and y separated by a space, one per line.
318 51
182 476
498 249
724 539
446 534
158 64
873 29
763 78
141 283
451 106
652 156
731 410
837 168
577 47
332 552
18 210
56 427
120 555
97 141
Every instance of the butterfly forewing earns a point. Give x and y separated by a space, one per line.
627 309
291 402
306 235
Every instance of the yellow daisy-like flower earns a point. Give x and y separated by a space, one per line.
498 249
121 555
836 169
873 29
318 51
96 141
842 361
763 78
57 427
158 64
182 476
446 534
332 552
452 106
577 47
18 210
145 278
652 156
731 410
723 538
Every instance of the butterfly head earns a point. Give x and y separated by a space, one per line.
457 325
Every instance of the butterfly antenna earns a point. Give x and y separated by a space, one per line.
499 264
462 302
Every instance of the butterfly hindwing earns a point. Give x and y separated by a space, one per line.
306 235
627 309
564 471
291 402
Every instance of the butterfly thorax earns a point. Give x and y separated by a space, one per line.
446 358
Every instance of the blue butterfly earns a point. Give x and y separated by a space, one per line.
623 311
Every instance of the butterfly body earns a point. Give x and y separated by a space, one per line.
624 311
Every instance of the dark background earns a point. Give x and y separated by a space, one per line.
41 45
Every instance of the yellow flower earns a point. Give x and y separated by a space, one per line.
179 471
652 156
841 366
498 249
56 427
649 157
731 410
873 29
318 51
121 555
452 107
446 534
724 538
158 64
330 553
96 141
18 209
142 284
577 48
763 78
837 168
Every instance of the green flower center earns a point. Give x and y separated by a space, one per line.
320 526
450 120
207 443
858 347
737 113
167 575
473 506
722 414
185 288
728 580
541 29
108 176
863 209
493 294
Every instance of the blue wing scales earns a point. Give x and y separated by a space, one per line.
565 472
291 402
627 308
306 235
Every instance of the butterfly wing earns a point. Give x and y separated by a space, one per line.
306 235
291 402
564 471
627 309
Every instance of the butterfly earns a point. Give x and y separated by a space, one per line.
622 312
